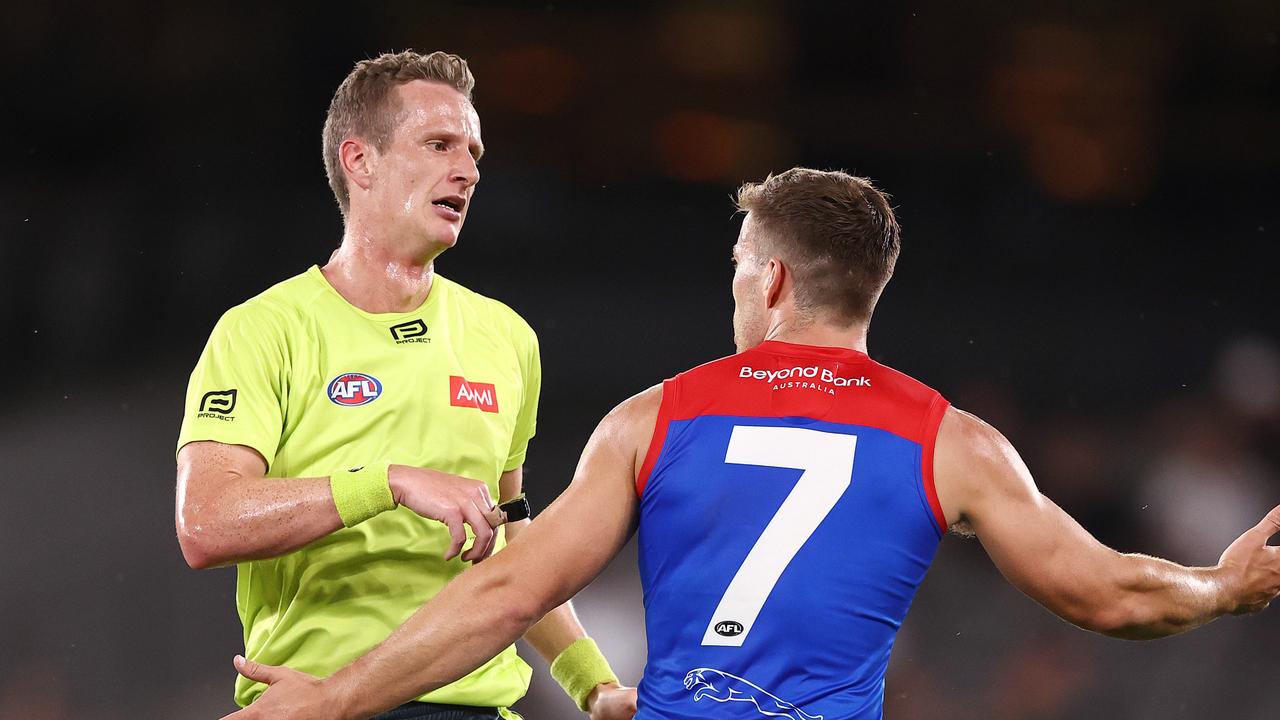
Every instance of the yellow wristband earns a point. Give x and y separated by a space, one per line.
360 493
580 668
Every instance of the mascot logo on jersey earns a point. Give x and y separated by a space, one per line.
353 389
720 686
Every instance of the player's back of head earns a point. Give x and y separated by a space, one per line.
834 231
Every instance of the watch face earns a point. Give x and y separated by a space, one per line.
516 509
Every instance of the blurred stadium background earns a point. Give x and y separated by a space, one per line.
1089 201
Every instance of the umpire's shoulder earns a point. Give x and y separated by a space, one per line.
494 311
273 310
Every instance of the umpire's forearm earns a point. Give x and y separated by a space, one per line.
556 631
250 518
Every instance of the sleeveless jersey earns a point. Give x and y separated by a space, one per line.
787 516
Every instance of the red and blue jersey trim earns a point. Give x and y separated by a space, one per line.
891 401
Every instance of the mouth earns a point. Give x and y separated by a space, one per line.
450 206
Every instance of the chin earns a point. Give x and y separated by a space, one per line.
443 238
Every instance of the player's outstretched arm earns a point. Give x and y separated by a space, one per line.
560 628
1045 553
489 606
226 511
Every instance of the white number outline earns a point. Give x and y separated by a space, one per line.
827 461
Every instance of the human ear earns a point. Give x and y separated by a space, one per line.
357 160
774 275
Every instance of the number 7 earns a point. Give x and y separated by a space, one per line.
827 461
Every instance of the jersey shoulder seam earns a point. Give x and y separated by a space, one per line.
514 320
286 300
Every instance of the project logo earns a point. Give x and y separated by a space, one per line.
353 389
410 332
218 404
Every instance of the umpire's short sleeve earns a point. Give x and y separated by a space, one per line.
237 391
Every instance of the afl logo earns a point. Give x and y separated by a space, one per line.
354 389
728 628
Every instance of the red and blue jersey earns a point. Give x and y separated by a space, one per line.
787 516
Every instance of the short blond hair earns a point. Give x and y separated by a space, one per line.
365 105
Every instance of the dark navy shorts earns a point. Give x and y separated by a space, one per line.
432 711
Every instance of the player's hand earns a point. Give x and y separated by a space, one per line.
611 701
292 695
453 500
1253 567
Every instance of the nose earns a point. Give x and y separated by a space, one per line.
465 169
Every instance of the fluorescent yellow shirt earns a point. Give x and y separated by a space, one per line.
316 385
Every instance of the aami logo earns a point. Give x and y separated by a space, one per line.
472 394
410 332
218 405
729 628
354 389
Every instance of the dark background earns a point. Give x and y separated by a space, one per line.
1088 196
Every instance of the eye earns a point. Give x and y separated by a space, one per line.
438 145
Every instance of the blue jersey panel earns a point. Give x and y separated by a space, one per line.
820 642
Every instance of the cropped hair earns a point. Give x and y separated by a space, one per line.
366 106
834 231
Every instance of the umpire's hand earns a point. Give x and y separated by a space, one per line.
453 500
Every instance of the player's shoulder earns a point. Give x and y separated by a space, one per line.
631 422
641 407
900 382
965 439
973 459
719 367
488 308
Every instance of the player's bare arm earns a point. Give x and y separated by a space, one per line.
560 627
227 511
552 559
982 482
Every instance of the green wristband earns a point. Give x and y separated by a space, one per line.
360 493
580 668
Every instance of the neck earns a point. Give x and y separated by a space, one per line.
819 333
377 276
